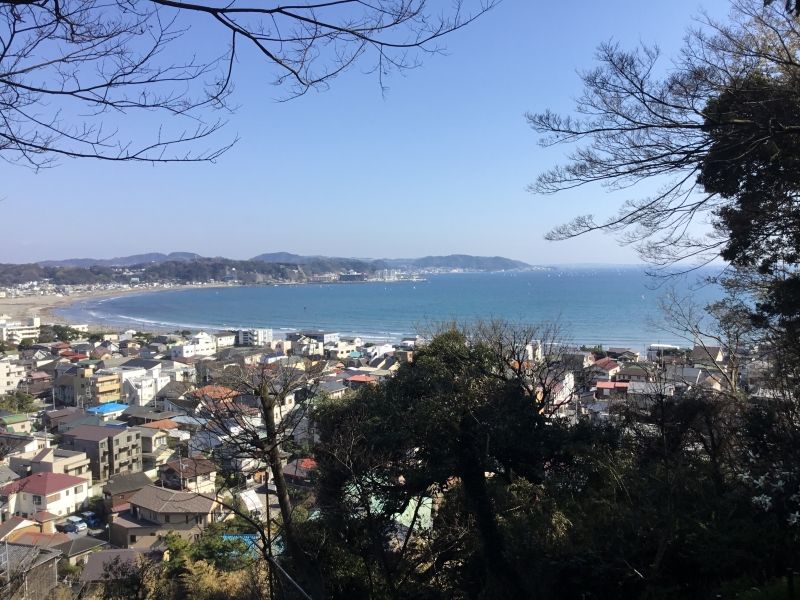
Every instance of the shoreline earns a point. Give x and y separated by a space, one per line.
45 306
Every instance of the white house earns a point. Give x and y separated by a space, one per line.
201 344
56 493
11 373
224 339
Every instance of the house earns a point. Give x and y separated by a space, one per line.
156 511
224 339
109 411
55 493
34 572
198 345
299 471
603 369
636 372
14 444
53 460
111 450
193 474
611 389
118 491
704 355
624 355
139 415
359 380
16 423
77 550
105 566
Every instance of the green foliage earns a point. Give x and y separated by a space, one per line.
18 402
25 344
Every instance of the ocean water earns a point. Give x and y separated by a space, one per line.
612 306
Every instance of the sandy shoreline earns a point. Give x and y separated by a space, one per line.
44 306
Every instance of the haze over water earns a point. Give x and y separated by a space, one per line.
612 306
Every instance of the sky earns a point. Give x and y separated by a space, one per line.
438 164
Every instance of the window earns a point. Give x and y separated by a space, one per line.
116 442
37 500
166 518
78 489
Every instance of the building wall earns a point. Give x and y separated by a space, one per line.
11 374
61 503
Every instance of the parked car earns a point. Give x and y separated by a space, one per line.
91 519
66 527
78 523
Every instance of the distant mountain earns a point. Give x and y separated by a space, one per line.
121 261
458 261
285 257
452 261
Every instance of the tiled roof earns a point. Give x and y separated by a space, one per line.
161 424
215 392
163 500
42 484
95 433
192 467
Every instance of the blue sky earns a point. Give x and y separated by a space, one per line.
437 165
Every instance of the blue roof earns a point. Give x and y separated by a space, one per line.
104 409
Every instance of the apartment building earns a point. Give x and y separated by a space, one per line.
16 331
111 450
11 373
254 337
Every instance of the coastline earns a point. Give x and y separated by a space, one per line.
45 305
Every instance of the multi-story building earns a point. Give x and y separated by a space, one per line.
201 344
111 450
56 493
85 387
11 373
53 460
16 331
254 337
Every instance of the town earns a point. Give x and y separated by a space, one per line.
113 442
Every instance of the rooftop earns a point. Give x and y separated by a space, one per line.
109 407
42 484
163 500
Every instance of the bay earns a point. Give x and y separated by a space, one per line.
611 306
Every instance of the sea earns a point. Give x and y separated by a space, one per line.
613 306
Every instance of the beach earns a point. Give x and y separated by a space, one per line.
43 305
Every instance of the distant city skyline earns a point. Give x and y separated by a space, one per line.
437 166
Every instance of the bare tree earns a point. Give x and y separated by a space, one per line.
68 66
640 119
264 404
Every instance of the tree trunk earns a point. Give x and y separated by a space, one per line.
499 574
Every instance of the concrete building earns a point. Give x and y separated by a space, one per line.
254 337
11 373
16 331
111 450
84 387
